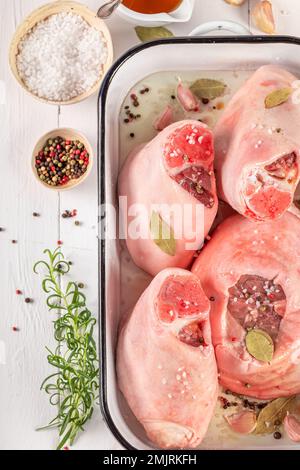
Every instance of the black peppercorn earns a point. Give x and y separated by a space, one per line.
277 435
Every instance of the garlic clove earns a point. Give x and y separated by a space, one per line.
243 422
263 17
292 427
164 119
186 98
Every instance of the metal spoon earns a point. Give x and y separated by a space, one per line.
108 8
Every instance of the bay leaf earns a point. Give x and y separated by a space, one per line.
150 34
260 345
208 88
162 234
277 97
273 414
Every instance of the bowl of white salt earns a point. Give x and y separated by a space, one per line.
61 52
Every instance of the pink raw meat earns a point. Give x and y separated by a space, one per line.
165 361
252 271
257 149
174 169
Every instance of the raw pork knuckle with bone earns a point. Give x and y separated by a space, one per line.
174 170
257 142
251 272
165 361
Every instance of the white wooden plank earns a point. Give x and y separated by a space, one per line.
22 121
80 242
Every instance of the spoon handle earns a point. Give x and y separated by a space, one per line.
108 8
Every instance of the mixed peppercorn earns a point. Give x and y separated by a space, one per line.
61 160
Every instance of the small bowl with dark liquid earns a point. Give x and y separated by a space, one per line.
156 12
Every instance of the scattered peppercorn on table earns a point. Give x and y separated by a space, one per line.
33 218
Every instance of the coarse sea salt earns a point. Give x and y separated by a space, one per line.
61 57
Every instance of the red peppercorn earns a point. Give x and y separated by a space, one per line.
233 339
52 154
67 142
15 328
38 162
53 168
66 448
58 147
59 242
18 292
77 152
41 153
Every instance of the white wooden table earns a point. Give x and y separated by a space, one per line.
23 120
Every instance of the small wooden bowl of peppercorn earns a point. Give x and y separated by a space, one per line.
62 159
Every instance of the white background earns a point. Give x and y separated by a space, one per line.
23 120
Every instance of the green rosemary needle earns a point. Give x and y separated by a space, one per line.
73 388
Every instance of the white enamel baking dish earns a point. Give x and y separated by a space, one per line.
206 53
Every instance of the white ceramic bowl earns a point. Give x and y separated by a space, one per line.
182 14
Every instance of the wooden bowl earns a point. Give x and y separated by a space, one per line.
41 14
69 134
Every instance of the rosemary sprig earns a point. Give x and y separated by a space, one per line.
74 386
